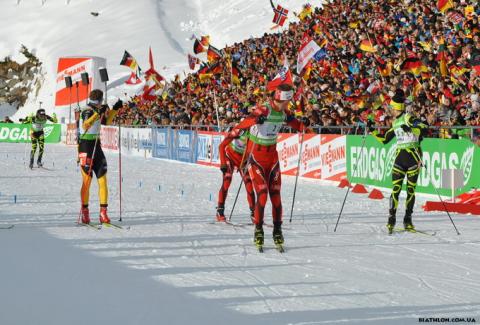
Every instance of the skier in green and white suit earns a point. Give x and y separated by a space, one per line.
408 160
38 122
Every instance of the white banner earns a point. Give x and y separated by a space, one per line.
306 52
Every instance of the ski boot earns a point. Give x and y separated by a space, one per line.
85 215
39 164
221 214
391 224
278 237
103 215
407 223
31 163
258 237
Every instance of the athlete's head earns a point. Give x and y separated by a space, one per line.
282 96
96 96
41 113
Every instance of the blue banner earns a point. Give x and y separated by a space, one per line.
161 143
184 146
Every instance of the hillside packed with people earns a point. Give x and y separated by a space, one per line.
430 49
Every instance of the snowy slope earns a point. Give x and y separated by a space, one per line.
58 29
174 266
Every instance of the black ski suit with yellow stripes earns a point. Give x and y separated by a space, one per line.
408 160
90 153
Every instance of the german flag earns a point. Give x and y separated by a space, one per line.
444 5
414 66
129 61
442 58
237 77
198 47
367 46
213 54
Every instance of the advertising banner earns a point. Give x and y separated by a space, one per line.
12 132
373 164
109 137
333 157
72 134
288 147
184 146
207 148
162 143
133 140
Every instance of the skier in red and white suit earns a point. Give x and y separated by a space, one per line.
264 124
232 157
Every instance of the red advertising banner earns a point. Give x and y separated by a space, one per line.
71 137
109 137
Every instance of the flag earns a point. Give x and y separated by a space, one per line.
367 46
205 41
192 61
444 5
129 61
152 80
284 76
414 65
133 79
442 58
237 77
307 50
198 47
280 15
306 12
213 54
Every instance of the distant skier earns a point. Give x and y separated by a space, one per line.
37 137
90 152
408 131
264 124
233 157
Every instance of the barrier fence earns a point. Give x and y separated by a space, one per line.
329 157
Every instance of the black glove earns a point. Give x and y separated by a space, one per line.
370 125
260 119
223 168
306 121
102 109
117 105
406 128
21 119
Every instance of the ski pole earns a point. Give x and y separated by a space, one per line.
354 172
444 206
296 176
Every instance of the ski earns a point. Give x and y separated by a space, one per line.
7 227
415 231
113 225
259 248
89 225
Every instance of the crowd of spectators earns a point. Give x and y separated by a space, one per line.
348 85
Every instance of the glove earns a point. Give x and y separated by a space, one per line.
102 109
21 119
260 119
406 128
306 121
223 168
370 125
117 105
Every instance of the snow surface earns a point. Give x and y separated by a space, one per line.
67 28
175 266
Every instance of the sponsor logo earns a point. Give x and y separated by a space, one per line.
288 152
14 133
466 163
183 141
332 156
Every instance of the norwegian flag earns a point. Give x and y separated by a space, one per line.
284 76
133 79
280 15
192 61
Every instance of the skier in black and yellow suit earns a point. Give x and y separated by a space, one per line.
408 161
90 151
38 122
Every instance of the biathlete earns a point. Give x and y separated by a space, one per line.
408 161
264 124
90 153
233 157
